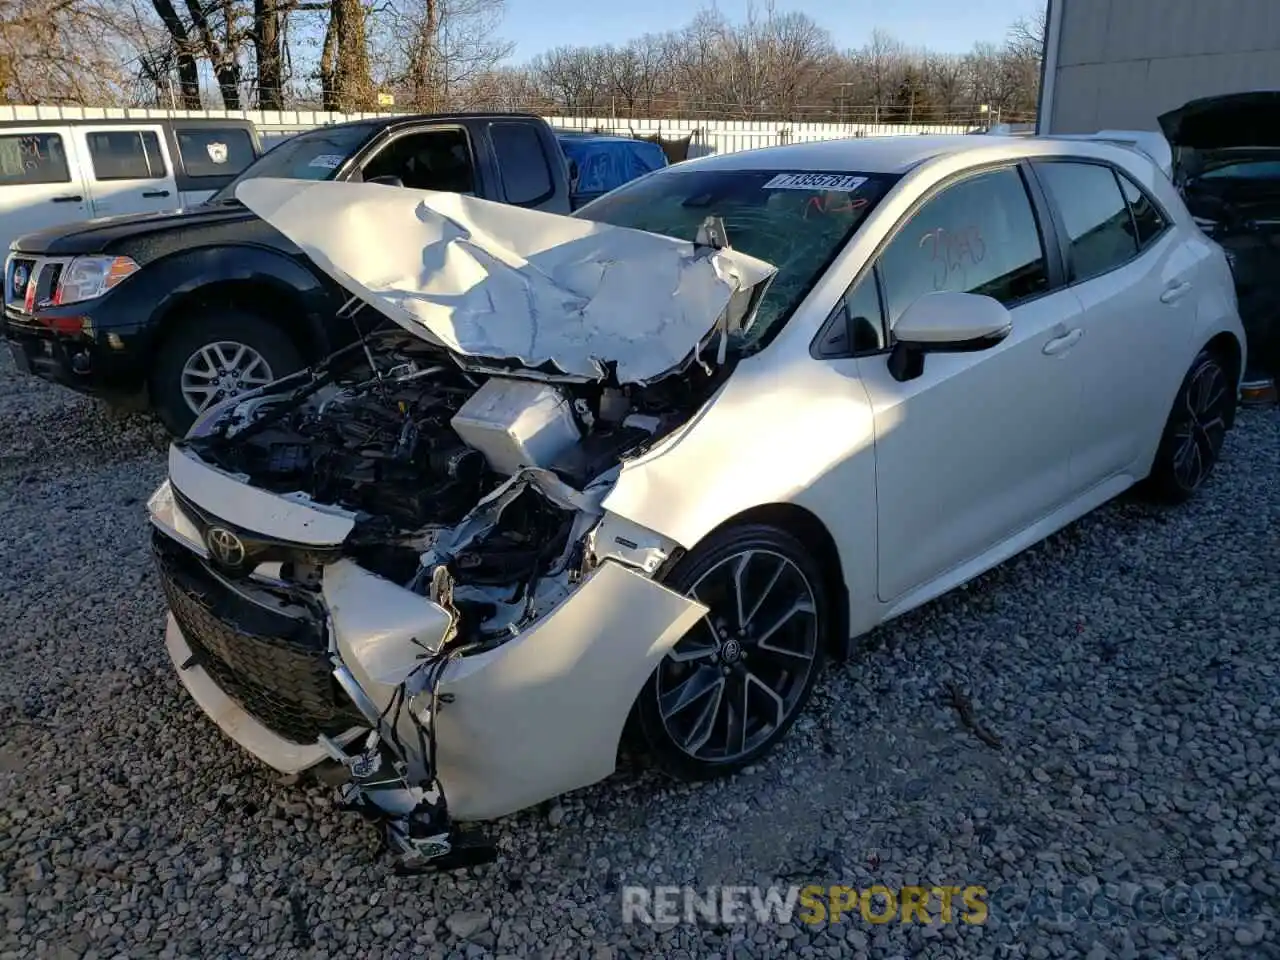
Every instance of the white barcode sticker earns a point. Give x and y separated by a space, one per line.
327 161
815 181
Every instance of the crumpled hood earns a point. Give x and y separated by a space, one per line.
494 281
1234 120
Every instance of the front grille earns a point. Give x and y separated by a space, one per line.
39 278
273 662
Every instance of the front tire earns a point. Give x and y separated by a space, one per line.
731 688
1194 433
216 353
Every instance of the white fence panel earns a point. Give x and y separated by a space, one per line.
709 136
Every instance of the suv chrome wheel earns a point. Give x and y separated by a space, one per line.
220 370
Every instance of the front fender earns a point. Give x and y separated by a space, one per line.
160 289
799 431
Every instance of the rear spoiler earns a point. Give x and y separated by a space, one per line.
1151 145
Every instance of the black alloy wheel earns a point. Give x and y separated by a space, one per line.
1195 431
734 684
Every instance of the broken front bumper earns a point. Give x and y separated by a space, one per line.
517 724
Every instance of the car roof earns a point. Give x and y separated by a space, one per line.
896 154
899 154
213 122
406 119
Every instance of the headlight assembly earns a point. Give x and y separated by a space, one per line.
86 278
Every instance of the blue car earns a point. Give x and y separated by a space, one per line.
601 162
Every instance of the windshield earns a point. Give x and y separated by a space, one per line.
314 155
794 220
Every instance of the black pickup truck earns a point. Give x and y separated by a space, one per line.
177 310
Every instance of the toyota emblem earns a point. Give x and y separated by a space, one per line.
20 277
225 547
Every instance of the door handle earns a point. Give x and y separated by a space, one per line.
1175 291
76 199
1063 343
155 193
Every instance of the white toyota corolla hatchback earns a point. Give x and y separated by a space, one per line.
646 467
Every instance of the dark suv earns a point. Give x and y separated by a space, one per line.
1227 166
177 310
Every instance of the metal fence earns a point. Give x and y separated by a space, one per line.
708 136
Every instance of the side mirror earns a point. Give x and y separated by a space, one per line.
387 180
945 322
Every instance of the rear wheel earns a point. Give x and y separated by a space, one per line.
735 683
1195 431
216 354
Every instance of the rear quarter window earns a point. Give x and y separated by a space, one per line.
214 152
1148 220
522 163
31 158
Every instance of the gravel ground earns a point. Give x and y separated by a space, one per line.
1126 669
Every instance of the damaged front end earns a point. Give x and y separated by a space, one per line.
390 551
397 566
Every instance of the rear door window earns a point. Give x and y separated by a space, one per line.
522 163
977 236
1094 214
214 152
31 158
126 155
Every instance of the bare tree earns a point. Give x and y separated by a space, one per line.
268 37
577 78
634 75
446 54
945 78
66 51
1024 50
1026 37
184 51
441 48
345 77
223 55
882 59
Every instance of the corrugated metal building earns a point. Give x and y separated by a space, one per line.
1119 64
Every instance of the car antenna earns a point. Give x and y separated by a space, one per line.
348 312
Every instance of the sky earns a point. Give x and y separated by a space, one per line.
951 26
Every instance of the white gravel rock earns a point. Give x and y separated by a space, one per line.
1129 668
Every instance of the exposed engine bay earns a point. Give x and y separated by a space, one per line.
397 432
478 490
1243 216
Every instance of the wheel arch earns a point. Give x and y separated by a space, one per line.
1227 348
276 303
806 527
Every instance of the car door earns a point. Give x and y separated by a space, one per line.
40 181
1135 282
978 447
129 167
